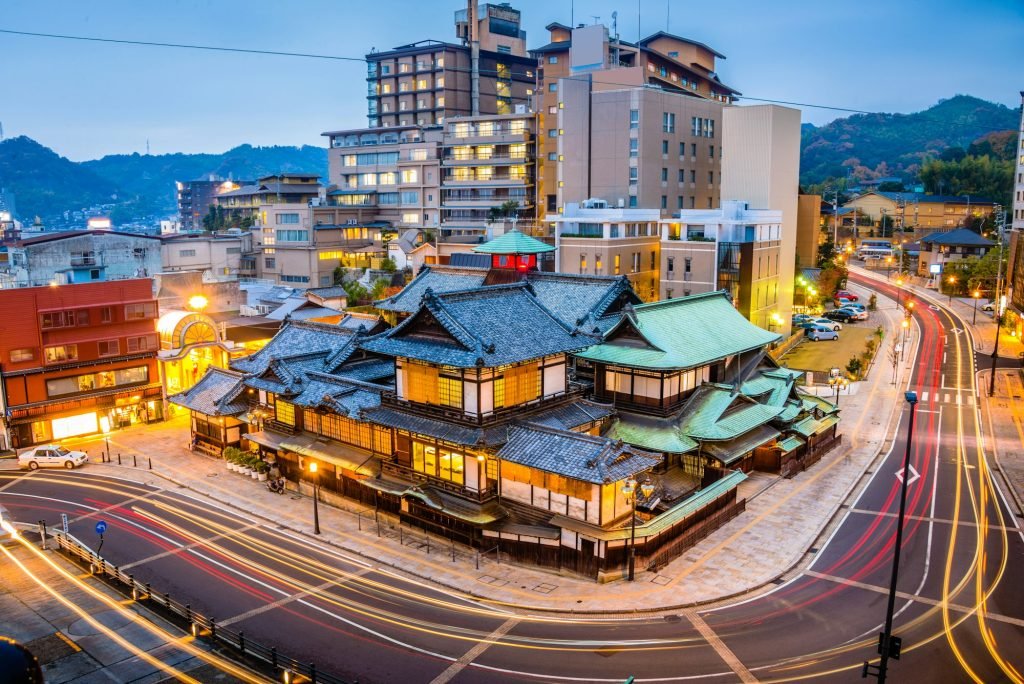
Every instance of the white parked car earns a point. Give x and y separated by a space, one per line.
51 456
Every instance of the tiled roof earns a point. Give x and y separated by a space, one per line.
922 198
487 326
295 337
574 298
572 416
958 237
654 434
344 397
716 412
439 429
367 370
217 393
514 242
569 296
328 292
571 454
730 451
681 333
436 279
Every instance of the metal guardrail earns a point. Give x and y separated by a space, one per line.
289 669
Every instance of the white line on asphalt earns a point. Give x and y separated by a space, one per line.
957 398
475 652
721 649
288 599
201 542
18 479
924 396
112 506
970 610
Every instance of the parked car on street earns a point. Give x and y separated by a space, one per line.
828 323
988 307
856 306
839 316
846 294
820 332
51 456
855 314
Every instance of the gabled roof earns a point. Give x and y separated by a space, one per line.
719 413
575 298
679 333
924 198
514 242
575 455
663 34
217 393
295 337
437 279
342 396
960 237
485 326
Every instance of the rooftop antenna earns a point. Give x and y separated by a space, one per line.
147 147
668 13
596 18
615 25
572 13
1 130
639 35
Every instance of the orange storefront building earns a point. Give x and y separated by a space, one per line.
77 359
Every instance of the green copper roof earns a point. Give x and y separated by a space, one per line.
659 435
679 333
714 412
791 443
514 242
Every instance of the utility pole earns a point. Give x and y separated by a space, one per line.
997 311
889 645
835 220
474 51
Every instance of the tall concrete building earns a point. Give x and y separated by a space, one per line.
195 198
1018 178
761 166
599 58
426 82
637 147
1015 268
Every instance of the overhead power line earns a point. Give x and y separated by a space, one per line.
214 48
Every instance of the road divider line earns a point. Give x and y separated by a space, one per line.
723 651
312 591
969 610
475 652
19 478
932 519
130 499
201 542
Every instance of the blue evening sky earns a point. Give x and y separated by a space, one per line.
89 99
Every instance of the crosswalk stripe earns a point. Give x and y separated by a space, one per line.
945 397
924 396
970 400
957 398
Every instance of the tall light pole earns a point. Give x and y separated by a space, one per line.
629 491
974 318
952 282
838 383
899 291
316 496
906 330
889 645
997 311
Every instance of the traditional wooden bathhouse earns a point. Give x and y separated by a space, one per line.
508 408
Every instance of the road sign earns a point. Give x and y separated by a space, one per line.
64 522
101 527
914 475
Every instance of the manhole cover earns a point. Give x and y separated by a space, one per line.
673 618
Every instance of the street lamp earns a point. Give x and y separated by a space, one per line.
899 292
316 495
629 491
952 281
974 318
888 266
889 645
838 383
906 331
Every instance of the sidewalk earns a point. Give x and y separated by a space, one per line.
1005 434
68 648
783 520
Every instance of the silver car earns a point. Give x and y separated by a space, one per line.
51 456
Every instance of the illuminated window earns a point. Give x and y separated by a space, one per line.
285 412
449 391
410 175
418 154
61 353
387 178
23 354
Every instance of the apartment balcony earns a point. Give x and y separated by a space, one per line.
493 182
495 138
485 161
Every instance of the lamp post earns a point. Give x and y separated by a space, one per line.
952 282
974 318
838 383
899 291
888 266
906 331
316 495
889 645
629 491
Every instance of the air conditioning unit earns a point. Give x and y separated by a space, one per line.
520 109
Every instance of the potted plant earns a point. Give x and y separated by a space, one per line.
229 458
262 468
254 467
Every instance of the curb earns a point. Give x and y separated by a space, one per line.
995 450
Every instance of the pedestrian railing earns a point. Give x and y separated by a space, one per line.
200 626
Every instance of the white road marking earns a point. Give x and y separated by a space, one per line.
914 475
475 652
924 396
721 649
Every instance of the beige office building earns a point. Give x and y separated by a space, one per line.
808 230
219 254
637 147
761 166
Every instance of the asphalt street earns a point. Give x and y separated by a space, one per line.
958 612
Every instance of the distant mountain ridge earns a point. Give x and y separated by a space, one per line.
896 144
47 184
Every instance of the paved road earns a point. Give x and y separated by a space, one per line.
959 615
